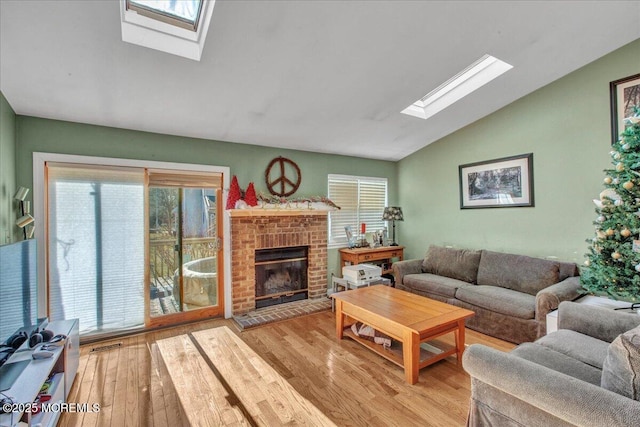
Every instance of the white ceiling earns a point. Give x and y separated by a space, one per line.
323 76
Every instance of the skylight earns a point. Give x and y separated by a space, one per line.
178 27
462 84
183 13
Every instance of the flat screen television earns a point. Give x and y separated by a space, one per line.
18 287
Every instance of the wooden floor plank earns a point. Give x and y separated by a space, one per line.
108 389
158 406
201 394
120 395
96 391
73 393
133 386
348 383
267 396
86 385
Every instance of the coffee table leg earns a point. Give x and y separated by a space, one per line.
411 356
460 341
339 320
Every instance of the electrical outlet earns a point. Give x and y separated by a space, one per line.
5 235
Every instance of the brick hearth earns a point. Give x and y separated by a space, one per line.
263 229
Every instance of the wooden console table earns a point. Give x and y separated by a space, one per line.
381 256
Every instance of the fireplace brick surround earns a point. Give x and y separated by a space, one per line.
254 229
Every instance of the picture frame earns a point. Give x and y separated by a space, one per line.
499 183
624 94
351 241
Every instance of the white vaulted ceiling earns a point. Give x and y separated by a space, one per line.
322 76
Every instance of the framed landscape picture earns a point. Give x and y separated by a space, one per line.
499 183
624 94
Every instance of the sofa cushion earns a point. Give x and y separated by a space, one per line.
432 283
500 300
558 362
461 264
517 272
586 349
621 368
567 269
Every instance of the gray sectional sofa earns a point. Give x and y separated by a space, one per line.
510 294
585 374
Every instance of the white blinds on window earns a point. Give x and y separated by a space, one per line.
96 246
361 199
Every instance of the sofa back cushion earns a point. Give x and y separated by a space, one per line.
567 269
621 367
518 272
461 264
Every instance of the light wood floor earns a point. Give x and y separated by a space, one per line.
350 384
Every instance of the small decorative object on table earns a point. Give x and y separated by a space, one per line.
351 241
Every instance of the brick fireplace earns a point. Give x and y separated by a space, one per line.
257 229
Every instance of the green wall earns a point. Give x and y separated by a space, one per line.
565 125
8 209
247 162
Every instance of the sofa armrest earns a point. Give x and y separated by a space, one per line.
599 322
567 398
549 299
402 268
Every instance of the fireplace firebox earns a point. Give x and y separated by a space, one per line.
281 275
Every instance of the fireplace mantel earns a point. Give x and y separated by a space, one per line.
239 213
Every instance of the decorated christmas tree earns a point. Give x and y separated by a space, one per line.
234 193
613 262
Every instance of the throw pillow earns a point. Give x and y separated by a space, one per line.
460 264
621 368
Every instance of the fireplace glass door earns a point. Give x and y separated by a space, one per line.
184 247
281 275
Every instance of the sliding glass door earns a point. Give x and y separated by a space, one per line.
185 280
129 248
95 247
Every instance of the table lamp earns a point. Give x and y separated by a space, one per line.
393 214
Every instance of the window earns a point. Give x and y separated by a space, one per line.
361 199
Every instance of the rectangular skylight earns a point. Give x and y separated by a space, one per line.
182 13
178 27
471 78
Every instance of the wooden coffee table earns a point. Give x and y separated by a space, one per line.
408 318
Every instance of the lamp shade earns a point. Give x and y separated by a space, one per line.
392 213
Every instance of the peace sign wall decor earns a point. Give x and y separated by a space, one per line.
276 177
